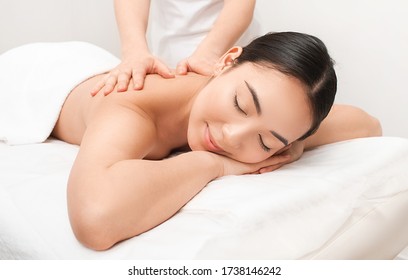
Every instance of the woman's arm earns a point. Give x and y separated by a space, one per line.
115 194
231 23
344 122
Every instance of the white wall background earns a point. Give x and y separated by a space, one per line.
23 21
367 38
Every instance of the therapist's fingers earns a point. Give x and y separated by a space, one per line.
138 80
182 67
139 75
203 64
162 69
155 66
107 83
110 83
98 86
128 69
123 80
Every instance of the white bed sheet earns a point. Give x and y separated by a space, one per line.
345 200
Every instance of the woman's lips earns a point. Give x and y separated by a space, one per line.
210 142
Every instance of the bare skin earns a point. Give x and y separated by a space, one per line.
150 103
115 130
121 185
137 60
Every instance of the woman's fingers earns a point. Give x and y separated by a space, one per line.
274 162
277 159
284 156
270 168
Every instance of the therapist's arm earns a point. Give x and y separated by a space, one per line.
137 61
234 19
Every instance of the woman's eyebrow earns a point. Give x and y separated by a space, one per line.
280 137
254 98
259 111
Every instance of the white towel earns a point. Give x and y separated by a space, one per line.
35 80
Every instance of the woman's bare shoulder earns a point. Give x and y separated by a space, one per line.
123 125
115 133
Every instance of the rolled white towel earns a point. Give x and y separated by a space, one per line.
35 80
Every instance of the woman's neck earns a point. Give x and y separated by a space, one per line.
172 105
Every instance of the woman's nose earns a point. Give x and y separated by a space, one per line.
234 134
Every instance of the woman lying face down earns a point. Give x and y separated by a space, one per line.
259 111
265 98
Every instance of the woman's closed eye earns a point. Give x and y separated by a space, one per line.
263 146
240 110
236 104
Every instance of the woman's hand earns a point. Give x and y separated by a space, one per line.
136 68
289 154
286 155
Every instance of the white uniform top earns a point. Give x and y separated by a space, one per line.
176 27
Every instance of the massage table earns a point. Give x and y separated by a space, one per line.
346 200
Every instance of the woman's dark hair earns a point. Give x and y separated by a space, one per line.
303 57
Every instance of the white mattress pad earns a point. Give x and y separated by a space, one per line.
345 200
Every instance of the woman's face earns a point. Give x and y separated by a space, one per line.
248 113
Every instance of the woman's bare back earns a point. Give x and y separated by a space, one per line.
159 102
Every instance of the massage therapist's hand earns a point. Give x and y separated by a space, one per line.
200 63
134 67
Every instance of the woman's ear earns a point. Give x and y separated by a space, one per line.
227 60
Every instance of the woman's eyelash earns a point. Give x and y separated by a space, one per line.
264 147
237 105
